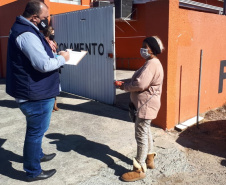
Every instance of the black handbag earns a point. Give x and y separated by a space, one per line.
132 112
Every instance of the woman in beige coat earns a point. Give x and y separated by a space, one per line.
145 88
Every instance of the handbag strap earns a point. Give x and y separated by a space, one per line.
150 97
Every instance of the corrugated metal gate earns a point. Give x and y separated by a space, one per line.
92 30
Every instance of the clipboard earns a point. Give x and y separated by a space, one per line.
75 57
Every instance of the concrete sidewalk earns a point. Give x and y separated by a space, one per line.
94 143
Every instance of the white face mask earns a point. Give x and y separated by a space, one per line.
144 53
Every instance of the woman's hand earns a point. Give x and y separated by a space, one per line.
122 87
119 84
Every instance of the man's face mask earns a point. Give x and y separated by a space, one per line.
51 37
144 53
43 24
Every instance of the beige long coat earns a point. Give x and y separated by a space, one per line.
145 81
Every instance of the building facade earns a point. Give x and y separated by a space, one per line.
185 29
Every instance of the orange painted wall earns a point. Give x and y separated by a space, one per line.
149 19
189 32
184 33
85 2
157 23
57 8
128 38
9 9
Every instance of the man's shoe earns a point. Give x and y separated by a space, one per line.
47 157
43 175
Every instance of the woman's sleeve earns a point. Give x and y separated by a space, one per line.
142 81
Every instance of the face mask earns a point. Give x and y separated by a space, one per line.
43 24
144 53
51 37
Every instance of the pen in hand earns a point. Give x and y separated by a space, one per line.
65 54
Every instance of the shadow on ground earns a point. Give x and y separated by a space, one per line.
209 138
92 108
122 101
88 107
6 168
91 149
9 103
69 95
2 80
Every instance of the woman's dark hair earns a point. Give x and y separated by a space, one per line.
48 31
155 44
33 7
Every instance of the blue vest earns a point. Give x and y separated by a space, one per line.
22 80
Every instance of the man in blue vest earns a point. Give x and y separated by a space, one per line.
33 80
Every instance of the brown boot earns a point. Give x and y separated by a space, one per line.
138 172
150 160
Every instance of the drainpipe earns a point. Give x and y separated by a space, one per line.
200 76
224 8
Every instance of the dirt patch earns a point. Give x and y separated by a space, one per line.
206 149
195 156
218 114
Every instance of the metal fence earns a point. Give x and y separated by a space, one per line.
91 30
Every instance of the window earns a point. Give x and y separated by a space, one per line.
74 2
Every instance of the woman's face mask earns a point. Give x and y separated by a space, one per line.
144 53
51 37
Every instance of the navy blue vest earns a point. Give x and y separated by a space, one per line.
22 80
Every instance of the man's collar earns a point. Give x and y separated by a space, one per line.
27 21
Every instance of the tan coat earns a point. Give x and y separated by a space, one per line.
145 81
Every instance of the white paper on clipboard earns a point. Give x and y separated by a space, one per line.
75 57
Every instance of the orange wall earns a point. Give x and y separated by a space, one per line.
129 34
85 2
189 32
9 9
184 33
157 18
128 38
57 8
149 19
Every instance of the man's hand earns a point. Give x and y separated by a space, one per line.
65 54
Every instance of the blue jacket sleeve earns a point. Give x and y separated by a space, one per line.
34 50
